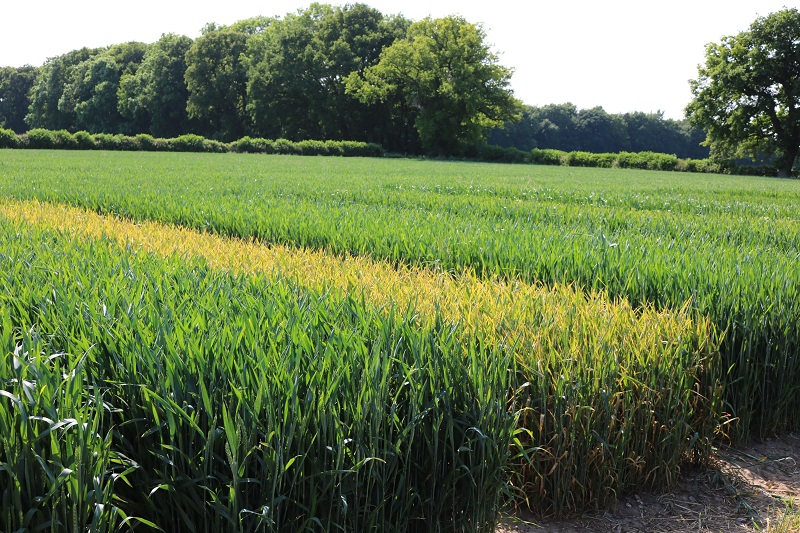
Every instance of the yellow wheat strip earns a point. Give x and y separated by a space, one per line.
530 315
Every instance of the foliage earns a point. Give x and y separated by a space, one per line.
651 132
48 89
548 156
565 127
62 139
253 146
8 139
601 132
659 238
297 67
15 84
497 154
586 159
91 95
217 84
84 140
90 92
194 143
445 71
157 93
118 142
41 138
148 143
612 367
746 95
646 160
191 399
316 75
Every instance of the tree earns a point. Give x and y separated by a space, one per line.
564 127
557 126
297 69
47 90
747 95
157 94
90 93
519 132
217 83
601 132
15 84
444 70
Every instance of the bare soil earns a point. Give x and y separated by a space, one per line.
746 490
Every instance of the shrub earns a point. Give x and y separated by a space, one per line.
8 139
647 161
40 138
656 161
335 147
84 141
187 143
107 141
285 146
309 147
630 160
218 147
361 149
588 159
64 139
699 165
195 143
547 156
498 154
253 146
148 143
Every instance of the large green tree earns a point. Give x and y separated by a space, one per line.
48 89
217 83
156 94
15 84
90 93
747 95
446 72
600 131
297 67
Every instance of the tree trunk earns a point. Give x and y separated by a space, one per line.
786 163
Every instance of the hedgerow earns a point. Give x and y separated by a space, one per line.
64 140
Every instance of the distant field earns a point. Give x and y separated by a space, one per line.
621 297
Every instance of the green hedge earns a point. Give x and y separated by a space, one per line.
8 139
548 156
82 140
64 140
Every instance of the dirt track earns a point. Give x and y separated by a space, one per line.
755 483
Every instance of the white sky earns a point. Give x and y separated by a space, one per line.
624 55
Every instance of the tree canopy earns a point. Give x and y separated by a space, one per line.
15 84
747 94
217 83
47 90
324 72
565 127
155 97
445 70
301 62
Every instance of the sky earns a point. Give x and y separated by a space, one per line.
623 55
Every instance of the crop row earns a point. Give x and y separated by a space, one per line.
729 246
146 382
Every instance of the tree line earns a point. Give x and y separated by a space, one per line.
564 127
325 72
